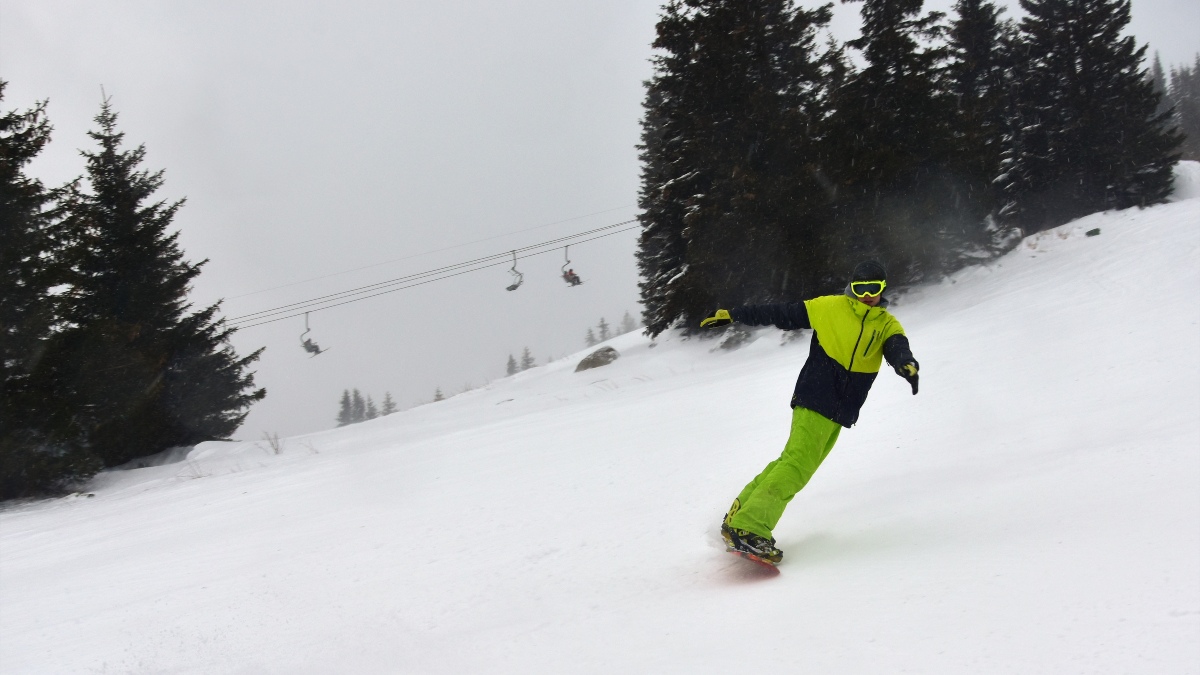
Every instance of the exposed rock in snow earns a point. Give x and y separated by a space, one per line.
600 357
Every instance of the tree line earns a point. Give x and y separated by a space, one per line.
1181 99
773 157
102 357
354 408
604 331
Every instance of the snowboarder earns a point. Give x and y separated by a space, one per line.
852 334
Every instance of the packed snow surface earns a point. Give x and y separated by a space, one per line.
1034 509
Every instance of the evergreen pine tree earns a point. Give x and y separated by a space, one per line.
728 180
511 368
132 368
979 45
527 360
389 405
1158 81
437 395
358 407
1087 134
345 409
891 140
590 338
27 245
372 412
35 456
667 176
1185 97
602 330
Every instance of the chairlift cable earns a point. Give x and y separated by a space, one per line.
258 322
329 302
253 316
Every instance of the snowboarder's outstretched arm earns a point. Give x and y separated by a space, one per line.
900 358
788 316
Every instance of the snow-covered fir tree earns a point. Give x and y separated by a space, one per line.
1087 134
729 169
1185 98
134 369
527 360
36 456
603 332
372 412
892 144
511 368
1158 80
979 44
590 338
29 237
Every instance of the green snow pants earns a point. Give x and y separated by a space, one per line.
761 503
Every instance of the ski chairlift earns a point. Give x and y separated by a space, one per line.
307 343
518 278
569 275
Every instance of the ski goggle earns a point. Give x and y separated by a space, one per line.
867 289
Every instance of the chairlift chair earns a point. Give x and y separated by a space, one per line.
307 343
518 278
569 275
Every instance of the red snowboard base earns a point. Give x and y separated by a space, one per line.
765 566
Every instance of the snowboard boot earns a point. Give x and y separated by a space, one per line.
744 541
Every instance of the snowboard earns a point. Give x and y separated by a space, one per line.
766 567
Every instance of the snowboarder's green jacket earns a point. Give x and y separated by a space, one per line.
850 340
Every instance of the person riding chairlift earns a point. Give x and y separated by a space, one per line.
311 347
307 343
571 278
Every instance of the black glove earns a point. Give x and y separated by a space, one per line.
909 372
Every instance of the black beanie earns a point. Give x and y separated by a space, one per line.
869 270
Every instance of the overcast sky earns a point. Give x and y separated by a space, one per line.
312 139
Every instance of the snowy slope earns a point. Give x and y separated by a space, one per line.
1033 510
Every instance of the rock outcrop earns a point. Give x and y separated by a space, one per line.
600 357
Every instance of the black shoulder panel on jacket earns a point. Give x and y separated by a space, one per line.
788 316
896 351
